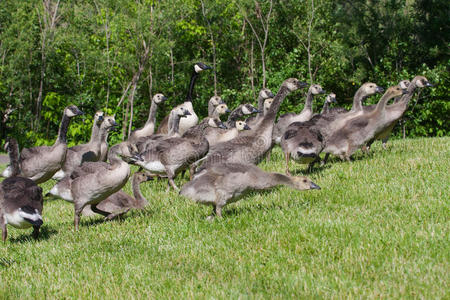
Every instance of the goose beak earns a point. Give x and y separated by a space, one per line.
271 95
221 125
164 98
314 186
404 91
206 67
221 101
246 127
255 110
227 110
429 84
379 89
78 112
187 113
301 84
333 100
100 118
322 92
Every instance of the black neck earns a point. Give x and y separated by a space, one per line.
191 86
260 105
13 152
175 124
234 116
62 133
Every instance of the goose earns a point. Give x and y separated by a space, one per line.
120 203
149 127
20 198
226 183
331 98
220 110
252 120
62 189
173 155
213 102
216 135
263 95
86 152
41 163
239 112
93 182
305 115
251 147
192 119
145 143
302 142
360 129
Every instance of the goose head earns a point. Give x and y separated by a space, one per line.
222 109
248 109
404 84
421 82
98 116
241 125
294 84
395 91
199 67
331 98
267 104
180 112
216 100
316 89
370 88
304 183
72 111
266 93
109 123
159 98
142 177
215 122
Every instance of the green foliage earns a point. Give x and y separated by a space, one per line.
92 53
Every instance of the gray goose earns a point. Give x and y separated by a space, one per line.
20 198
226 183
41 163
251 146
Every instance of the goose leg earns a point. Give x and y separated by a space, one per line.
172 183
79 205
218 210
287 156
36 232
384 142
4 230
325 159
99 211
117 213
311 164
171 176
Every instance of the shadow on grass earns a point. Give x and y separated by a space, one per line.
44 234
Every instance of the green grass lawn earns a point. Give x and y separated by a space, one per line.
379 228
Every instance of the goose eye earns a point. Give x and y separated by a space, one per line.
304 180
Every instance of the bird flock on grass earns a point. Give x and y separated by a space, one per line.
221 157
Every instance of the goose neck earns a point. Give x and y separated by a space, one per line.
62 132
140 200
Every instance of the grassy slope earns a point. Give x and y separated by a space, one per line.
378 228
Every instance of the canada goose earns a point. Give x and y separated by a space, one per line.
220 109
120 203
93 182
263 95
239 112
173 155
305 115
302 142
253 120
216 135
213 102
20 198
192 119
177 113
360 129
331 98
386 132
62 189
225 183
149 127
85 152
41 163
250 148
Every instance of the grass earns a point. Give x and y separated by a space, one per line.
379 228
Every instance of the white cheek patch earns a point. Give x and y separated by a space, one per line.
419 84
305 151
245 110
211 123
197 69
69 113
7 172
291 86
404 84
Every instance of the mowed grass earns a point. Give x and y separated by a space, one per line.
379 228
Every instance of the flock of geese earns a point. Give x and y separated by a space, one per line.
221 156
